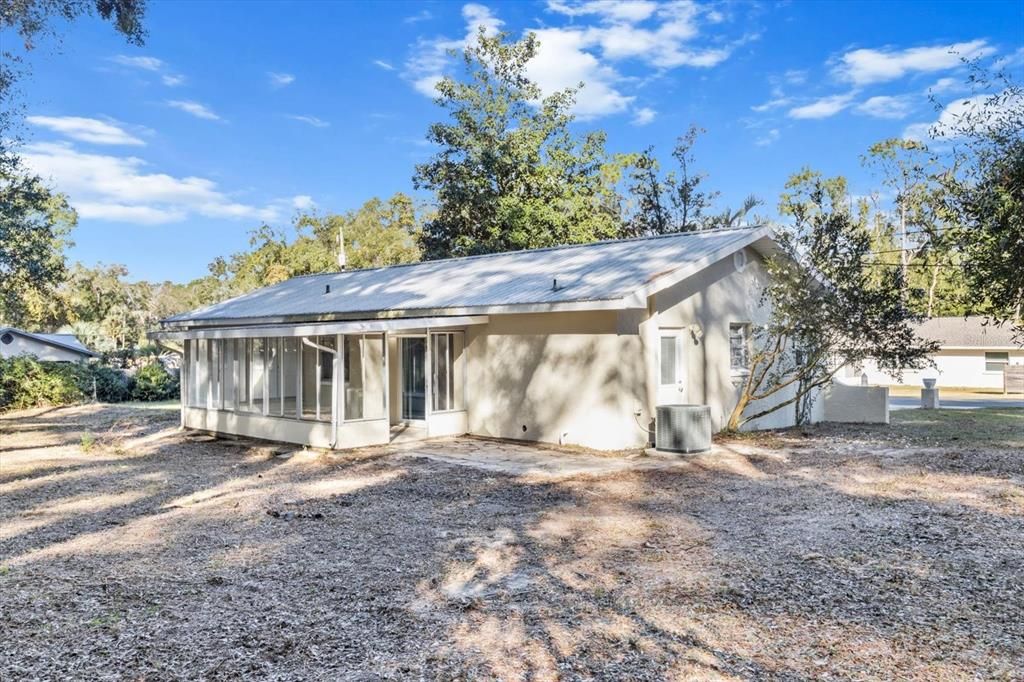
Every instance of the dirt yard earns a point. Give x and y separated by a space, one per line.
130 550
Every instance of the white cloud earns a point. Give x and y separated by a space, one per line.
303 202
795 76
310 120
657 35
822 108
776 103
981 111
918 132
422 15
144 63
768 138
195 109
90 130
118 188
866 66
280 80
1015 58
643 116
151 64
561 62
611 10
886 106
383 64
426 67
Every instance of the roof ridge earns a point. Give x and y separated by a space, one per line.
479 256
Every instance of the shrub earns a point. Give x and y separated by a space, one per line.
112 385
154 382
28 382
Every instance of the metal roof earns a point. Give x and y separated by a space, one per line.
602 271
967 332
66 341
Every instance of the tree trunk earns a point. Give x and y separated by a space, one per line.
736 418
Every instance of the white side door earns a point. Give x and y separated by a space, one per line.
671 367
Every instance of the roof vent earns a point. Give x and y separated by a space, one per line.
327 289
554 284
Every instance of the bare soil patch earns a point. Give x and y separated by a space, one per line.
848 553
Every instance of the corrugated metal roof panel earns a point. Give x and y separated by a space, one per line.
593 272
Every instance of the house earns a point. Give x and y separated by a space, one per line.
574 345
57 347
972 355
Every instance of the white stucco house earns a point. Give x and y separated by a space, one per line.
972 355
56 347
574 345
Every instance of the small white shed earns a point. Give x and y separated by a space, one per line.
55 347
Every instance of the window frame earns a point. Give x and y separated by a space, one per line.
744 336
676 357
455 386
1002 362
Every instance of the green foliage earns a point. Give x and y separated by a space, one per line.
676 202
828 307
509 173
110 385
985 190
377 234
28 382
154 382
87 441
34 229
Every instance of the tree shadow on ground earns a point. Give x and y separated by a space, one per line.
210 560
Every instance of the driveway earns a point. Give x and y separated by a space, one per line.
957 403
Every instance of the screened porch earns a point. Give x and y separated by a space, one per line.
327 390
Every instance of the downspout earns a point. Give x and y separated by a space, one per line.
334 398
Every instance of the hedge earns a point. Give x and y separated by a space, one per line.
28 382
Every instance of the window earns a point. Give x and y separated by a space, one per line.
364 376
446 371
244 380
289 376
996 362
215 358
200 373
354 377
669 360
257 374
274 377
230 371
739 347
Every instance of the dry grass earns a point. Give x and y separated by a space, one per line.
836 553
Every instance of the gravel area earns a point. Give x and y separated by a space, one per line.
142 552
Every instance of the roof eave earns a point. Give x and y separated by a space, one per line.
522 308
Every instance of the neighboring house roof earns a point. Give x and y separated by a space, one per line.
65 341
618 273
969 332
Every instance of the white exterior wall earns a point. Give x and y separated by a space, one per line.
706 304
856 404
567 378
22 345
954 368
316 434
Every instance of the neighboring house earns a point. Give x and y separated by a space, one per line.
58 347
575 344
972 355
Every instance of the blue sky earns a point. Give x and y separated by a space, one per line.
240 112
